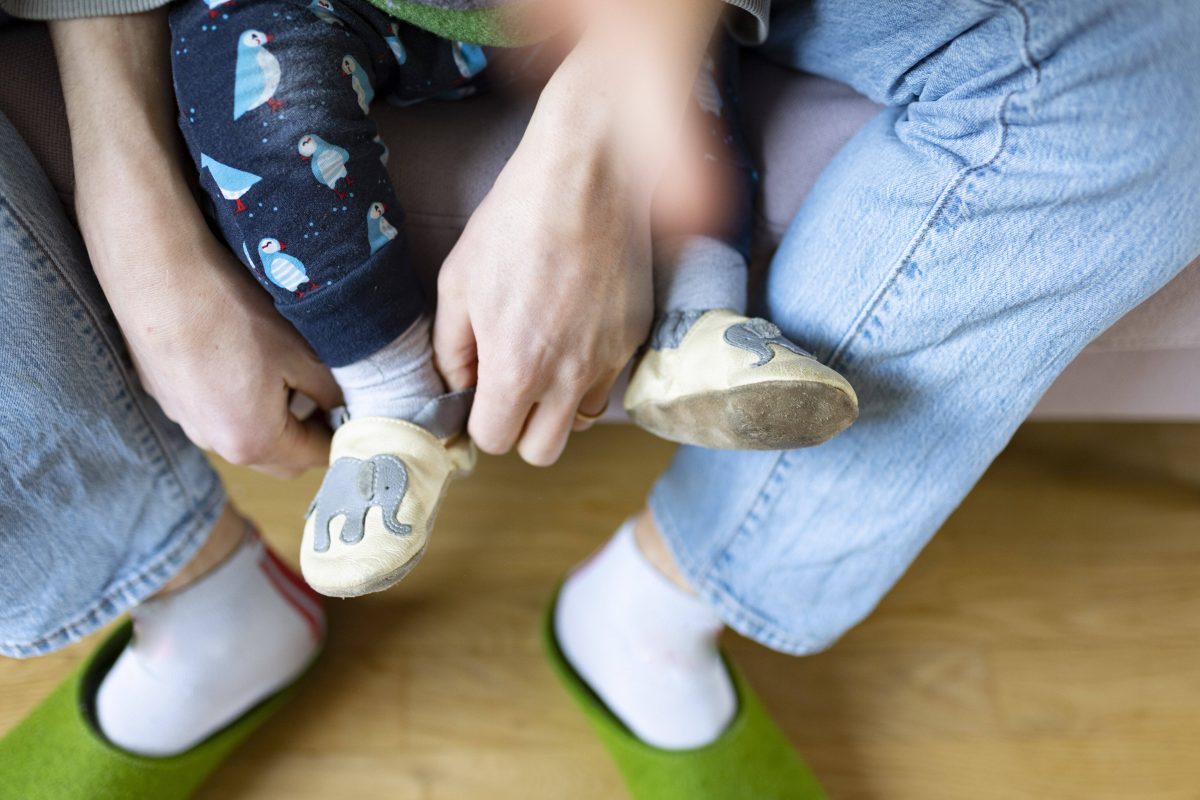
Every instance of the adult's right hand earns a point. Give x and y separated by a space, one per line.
206 341
218 358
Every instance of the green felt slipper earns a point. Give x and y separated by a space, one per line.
752 759
58 753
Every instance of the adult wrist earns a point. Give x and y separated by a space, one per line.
622 92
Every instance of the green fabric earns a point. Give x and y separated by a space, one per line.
495 27
56 753
752 760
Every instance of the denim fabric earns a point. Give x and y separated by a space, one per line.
102 499
1036 174
254 80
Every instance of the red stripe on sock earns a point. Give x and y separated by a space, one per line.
316 624
308 604
295 579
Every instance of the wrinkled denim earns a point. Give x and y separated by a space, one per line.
102 498
1034 176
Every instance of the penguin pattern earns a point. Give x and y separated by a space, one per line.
706 91
273 99
214 6
379 230
384 152
359 82
257 74
232 182
328 161
323 10
469 58
395 45
283 270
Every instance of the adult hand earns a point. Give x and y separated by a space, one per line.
206 341
547 294
219 359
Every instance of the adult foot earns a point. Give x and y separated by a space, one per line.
646 647
205 653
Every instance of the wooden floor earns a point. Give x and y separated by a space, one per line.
1046 645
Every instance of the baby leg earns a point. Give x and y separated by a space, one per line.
705 212
274 100
710 376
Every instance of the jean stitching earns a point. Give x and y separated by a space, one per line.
951 191
87 621
750 523
922 235
741 614
106 343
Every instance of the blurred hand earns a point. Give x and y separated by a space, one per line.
549 292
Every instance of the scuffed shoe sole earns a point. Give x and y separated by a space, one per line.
771 415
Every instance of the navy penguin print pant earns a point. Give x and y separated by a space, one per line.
273 102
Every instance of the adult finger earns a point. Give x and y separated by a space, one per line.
454 349
306 373
595 401
302 445
500 408
547 429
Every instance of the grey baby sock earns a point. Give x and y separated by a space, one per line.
694 274
698 273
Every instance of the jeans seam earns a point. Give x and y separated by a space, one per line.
135 394
86 622
768 631
733 611
922 235
873 303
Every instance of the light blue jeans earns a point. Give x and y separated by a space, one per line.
1036 174
102 499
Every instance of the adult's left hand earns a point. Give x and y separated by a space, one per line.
548 293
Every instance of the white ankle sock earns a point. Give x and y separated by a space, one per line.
396 381
203 655
646 647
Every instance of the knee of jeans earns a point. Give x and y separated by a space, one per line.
1129 85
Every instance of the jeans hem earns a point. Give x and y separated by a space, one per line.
734 612
179 546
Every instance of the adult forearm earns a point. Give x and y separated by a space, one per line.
131 185
624 87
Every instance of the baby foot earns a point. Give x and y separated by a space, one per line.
371 519
721 380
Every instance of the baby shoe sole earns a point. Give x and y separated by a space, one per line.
379 584
771 415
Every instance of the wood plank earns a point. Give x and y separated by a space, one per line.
1045 645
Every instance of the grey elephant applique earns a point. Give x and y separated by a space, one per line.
757 336
351 488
